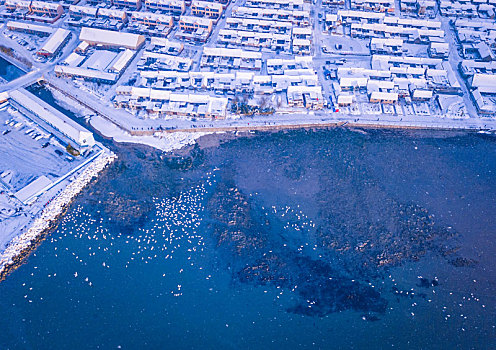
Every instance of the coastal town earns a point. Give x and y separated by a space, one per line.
165 72
160 62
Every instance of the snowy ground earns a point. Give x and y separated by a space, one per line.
165 142
23 156
20 233
29 151
18 217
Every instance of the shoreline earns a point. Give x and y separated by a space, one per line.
158 133
22 245
322 125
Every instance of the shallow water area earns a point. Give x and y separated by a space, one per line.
8 71
292 239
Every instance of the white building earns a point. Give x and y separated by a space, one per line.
231 59
55 119
107 38
55 43
86 73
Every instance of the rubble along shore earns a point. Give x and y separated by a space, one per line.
21 246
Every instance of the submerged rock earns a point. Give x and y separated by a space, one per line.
360 231
463 262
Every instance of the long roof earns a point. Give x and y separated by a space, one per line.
52 117
486 82
216 51
87 10
111 38
85 73
122 60
33 188
379 95
29 26
55 41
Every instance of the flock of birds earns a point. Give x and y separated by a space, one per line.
175 232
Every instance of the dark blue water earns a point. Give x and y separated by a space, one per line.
8 71
328 239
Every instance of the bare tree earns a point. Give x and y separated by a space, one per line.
264 101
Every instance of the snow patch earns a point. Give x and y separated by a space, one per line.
163 141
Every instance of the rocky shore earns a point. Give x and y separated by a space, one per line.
22 245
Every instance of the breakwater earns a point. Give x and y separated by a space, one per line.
25 243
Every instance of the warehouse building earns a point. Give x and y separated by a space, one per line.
29 28
53 118
85 73
55 43
110 39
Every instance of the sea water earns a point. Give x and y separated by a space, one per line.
8 71
325 239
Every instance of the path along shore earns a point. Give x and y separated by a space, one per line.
22 245
134 126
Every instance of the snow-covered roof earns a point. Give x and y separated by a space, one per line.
386 96
485 82
53 117
304 31
122 60
274 2
439 46
86 10
386 41
345 99
362 72
110 38
305 89
331 17
206 4
297 60
222 52
353 82
422 93
163 95
436 72
196 20
54 42
166 43
33 188
301 42
248 34
83 45
165 57
258 22
73 59
179 3
86 73
407 60
29 27
380 84
412 22
18 3
290 15
112 13
360 14
479 24
46 5
135 15
387 2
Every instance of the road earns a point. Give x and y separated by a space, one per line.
39 69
